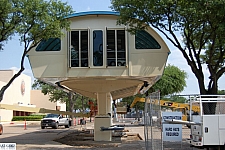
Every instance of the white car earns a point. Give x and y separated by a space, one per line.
54 121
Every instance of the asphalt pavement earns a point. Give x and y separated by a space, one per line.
30 136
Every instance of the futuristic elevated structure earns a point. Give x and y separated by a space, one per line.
100 59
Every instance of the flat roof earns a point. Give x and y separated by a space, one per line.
93 13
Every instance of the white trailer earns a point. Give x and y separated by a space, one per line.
208 127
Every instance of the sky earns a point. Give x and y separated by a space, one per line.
11 55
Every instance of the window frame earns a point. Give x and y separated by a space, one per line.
40 45
79 48
116 47
150 37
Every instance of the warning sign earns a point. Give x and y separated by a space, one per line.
172 132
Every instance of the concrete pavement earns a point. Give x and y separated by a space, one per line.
34 138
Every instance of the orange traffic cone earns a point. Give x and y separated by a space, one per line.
25 125
74 121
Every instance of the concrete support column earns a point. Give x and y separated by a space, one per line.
102 103
103 119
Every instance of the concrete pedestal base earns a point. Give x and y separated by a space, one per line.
102 121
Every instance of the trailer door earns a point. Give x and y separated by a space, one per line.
210 130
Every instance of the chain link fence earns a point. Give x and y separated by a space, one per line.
152 122
153 127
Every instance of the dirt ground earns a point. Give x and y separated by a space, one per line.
84 139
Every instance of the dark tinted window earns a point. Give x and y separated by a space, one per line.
79 49
84 48
111 48
143 40
116 48
75 48
121 53
52 44
97 48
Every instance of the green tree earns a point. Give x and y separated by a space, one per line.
32 21
172 82
130 99
221 92
9 18
73 100
56 94
200 24
83 104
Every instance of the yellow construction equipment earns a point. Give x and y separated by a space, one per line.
137 99
174 106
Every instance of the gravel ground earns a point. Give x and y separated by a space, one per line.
85 140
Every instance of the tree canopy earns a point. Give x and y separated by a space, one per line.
55 93
172 82
200 23
73 100
32 21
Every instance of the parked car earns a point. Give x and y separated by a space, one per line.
54 121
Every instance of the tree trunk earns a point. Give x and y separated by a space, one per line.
72 103
209 108
82 100
71 106
26 50
4 88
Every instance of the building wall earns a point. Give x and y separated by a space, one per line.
5 75
6 115
62 106
42 101
20 93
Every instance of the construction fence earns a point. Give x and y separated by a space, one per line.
173 137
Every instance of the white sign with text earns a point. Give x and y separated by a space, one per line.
172 132
7 146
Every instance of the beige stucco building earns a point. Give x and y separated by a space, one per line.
20 93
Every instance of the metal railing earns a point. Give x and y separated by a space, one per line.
153 129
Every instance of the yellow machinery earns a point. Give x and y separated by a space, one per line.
137 99
180 107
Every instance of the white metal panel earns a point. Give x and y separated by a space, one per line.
222 122
210 130
196 118
222 129
222 137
